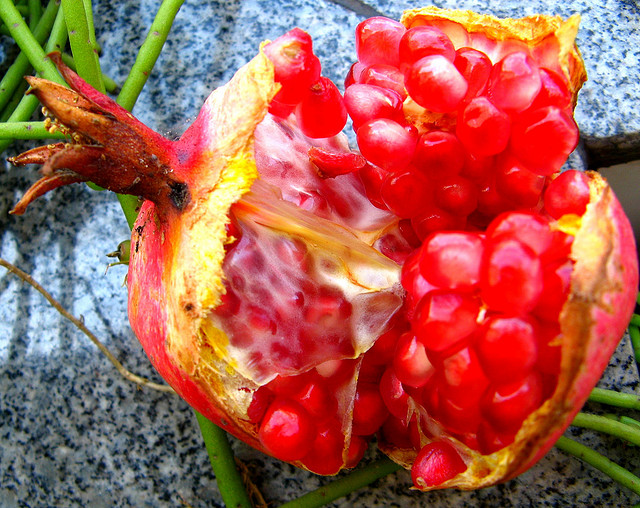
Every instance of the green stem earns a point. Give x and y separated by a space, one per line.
27 42
149 53
608 426
29 103
26 130
228 477
80 38
109 84
634 333
13 77
10 106
635 320
600 462
345 485
617 399
35 11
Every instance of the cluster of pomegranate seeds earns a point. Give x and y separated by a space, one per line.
488 134
316 101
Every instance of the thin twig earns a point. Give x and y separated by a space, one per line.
80 325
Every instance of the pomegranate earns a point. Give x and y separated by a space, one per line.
444 289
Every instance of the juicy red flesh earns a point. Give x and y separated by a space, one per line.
436 463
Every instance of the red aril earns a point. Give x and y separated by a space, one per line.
378 40
439 154
568 193
367 102
287 430
405 192
517 184
514 82
457 195
436 463
543 139
393 393
475 67
435 83
384 76
321 113
386 143
553 91
423 41
483 128
511 280
410 362
369 410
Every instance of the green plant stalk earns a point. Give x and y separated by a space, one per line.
617 399
80 37
27 130
10 107
13 77
227 475
110 85
29 103
600 462
345 485
149 52
35 11
27 42
608 426
634 333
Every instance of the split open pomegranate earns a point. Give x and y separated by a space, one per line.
442 289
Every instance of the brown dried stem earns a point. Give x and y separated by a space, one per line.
81 326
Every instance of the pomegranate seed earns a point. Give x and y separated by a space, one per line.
511 279
367 102
543 139
296 67
396 432
506 406
489 440
514 82
406 192
462 379
439 154
490 202
332 163
261 400
384 346
325 456
415 284
322 114
556 281
384 76
369 410
393 394
386 143
507 347
287 431
475 67
445 318
434 218
435 84
517 184
477 169
568 193
372 177
410 361
353 76
553 91
451 259
528 227
435 464
315 398
357 448
549 348
458 419
421 41
457 194
483 128
377 41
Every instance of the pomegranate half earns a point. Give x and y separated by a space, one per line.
442 289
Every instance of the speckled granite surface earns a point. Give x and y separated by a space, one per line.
72 431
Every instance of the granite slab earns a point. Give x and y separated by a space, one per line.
73 432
